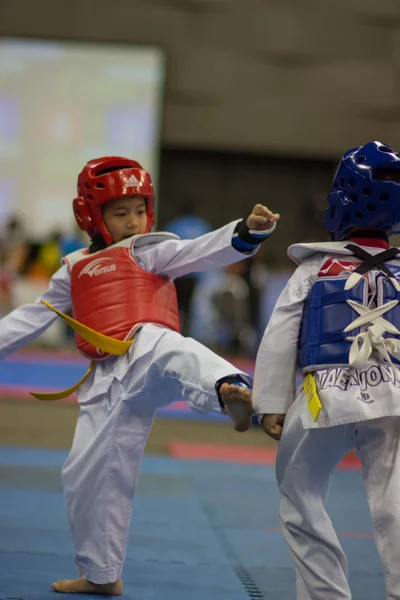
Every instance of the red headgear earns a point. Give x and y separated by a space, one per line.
103 180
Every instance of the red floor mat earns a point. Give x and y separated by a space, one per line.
238 454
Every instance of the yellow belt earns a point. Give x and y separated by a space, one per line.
313 401
100 341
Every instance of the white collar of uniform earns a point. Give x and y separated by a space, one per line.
144 239
300 252
149 239
137 241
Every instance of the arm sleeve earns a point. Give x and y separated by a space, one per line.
276 363
175 258
27 322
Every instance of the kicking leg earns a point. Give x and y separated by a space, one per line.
237 402
191 371
101 473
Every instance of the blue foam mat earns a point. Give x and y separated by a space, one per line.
200 531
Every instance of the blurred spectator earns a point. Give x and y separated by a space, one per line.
6 277
25 269
221 312
70 242
255 273
274 285
13 240
14 231
42 259
12 245
34 264
188 226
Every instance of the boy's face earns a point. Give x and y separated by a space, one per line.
125 217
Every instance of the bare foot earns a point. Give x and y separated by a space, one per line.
83 586
238 404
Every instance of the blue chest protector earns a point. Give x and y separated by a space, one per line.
322 341
386 293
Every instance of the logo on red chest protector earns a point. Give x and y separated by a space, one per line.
98 267
333 267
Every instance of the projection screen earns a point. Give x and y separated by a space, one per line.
63 103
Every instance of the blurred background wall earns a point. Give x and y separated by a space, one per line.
286 77
262 96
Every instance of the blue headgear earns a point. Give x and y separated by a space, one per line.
360 197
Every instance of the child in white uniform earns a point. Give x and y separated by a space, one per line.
120 397
338 320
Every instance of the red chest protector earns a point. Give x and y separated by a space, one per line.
113 295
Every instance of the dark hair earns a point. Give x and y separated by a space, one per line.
97 244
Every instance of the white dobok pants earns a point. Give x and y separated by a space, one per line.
101 472
306 460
